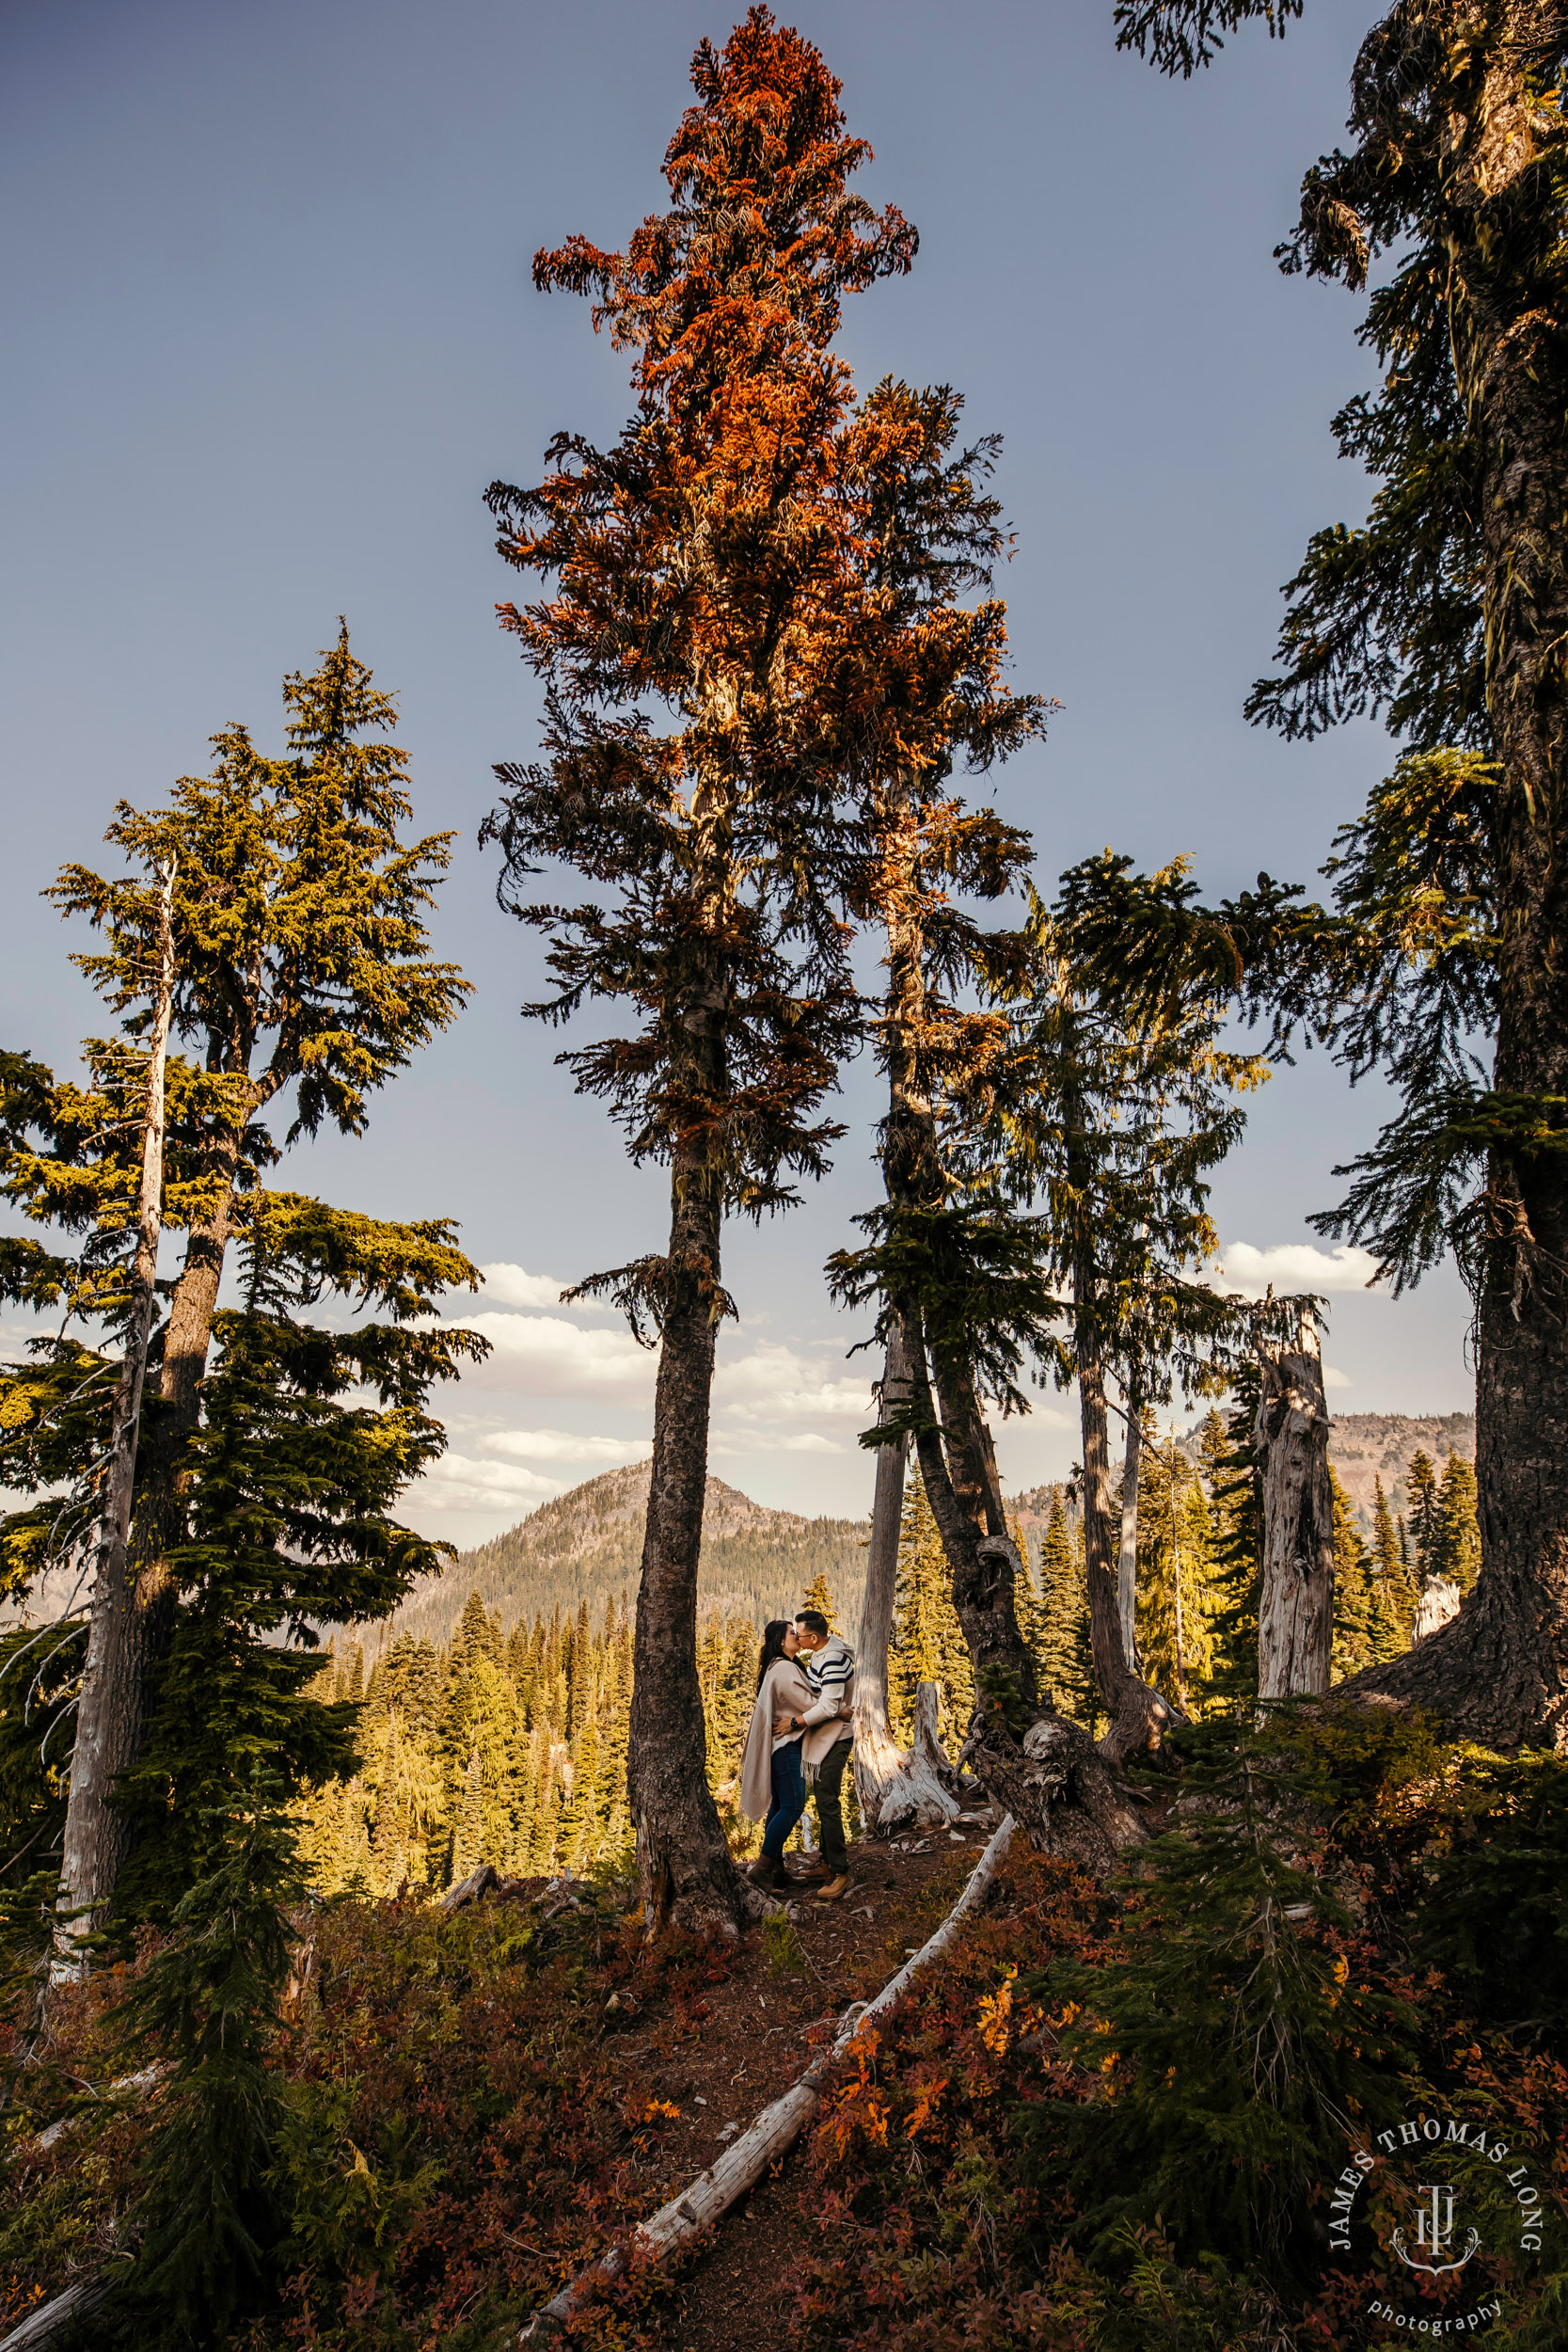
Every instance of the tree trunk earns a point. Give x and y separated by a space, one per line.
981 1557
1497 1672
893 1788
928 1756
684 1869
1139 1716
1175 1583
1060 1791
108 1719
1295 1608
1046 1771
1127 1563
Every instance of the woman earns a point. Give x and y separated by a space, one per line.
772 1778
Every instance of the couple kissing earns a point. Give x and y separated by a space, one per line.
800 1731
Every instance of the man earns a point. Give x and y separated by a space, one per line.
828 1744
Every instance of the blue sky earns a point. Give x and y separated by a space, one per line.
270 333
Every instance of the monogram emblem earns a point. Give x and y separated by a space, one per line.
1435 2231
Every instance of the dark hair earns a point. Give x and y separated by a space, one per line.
772 1646
813 1619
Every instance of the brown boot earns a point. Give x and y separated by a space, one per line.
812 1873
772 1875
834 1888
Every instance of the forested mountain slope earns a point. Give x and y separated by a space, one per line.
1365 1446
1362 1447
587 1546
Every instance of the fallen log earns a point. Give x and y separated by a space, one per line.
61 2311
776 2129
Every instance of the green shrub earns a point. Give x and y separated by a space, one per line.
1231 2047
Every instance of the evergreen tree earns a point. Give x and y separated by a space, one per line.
292 1481
206 2219
1174 1572
1456 1552
1112 1121
1394 1598
1230 2053
581 1675
1357 1623
727 1665
1445 612
468 1837
1421 1488
1066 1661
474 1638
925 674
1229 1462
723 845
297 923
928 1643
819 1596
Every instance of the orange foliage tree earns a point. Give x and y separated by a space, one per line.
699 772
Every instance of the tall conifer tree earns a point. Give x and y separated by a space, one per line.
1422 1491
1066 1658
1447 611
300 955
1457 1543
1230 1466
700 565
1112 1122
921 683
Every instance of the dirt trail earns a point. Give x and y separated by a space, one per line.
720 2054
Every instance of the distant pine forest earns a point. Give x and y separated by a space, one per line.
494 1717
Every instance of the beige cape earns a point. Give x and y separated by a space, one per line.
784 1692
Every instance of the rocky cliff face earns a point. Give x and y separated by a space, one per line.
1365 1446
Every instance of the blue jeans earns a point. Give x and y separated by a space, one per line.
789 1800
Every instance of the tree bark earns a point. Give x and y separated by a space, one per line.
1127 1563
1295 1609
1139 1715
893 1788
929 1763
685 1872
108 1719
1513 1628
1059 1787
958 1467
1048 1774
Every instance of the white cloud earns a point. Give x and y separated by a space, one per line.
1334 1378
459 1483
546 1356
774 1381
509 1287
1293 1266
563 1445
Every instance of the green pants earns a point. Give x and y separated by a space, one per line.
830 1808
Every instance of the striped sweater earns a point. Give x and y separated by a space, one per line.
830 1672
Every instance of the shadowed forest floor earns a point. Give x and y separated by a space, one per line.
781 1999
1049 2144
